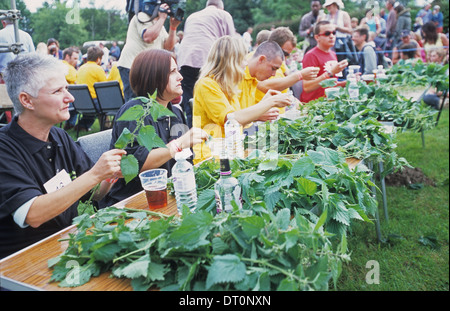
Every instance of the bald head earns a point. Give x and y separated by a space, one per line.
216 3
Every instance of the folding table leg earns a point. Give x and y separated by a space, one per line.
377 216
383 191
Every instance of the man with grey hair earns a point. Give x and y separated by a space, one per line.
43 172
201 30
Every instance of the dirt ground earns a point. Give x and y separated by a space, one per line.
408 177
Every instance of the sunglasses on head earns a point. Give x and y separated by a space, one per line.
328 33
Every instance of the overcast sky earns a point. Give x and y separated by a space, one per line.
33 5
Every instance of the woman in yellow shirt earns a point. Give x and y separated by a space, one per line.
217 89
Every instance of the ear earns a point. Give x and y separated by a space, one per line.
262 58
25 100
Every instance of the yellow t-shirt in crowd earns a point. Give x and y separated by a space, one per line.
248 89
114 75
211 106
71 76
250 94
90 73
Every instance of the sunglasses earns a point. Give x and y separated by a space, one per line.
327 33
286 54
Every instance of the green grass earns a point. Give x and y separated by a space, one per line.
415 217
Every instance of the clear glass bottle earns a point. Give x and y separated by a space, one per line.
353 88
183 178
233 138
227 189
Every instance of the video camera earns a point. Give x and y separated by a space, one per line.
176 8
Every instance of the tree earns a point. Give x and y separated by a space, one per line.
24 22
53 21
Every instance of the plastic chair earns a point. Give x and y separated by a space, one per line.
83 102
95 144
110 99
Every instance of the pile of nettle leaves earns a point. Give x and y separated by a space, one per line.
419 73
299 201
280 240
382 103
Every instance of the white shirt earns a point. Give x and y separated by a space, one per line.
7 37
247 40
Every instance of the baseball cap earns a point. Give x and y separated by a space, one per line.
405 33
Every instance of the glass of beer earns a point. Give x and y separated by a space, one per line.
154 183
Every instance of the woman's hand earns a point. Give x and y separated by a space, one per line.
108 165
277 99
193 137
270 115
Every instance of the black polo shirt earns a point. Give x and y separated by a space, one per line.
26 164
167 128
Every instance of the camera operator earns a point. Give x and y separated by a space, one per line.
146 33
53 48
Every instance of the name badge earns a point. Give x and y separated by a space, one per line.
59 181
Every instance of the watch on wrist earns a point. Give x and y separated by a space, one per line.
330 74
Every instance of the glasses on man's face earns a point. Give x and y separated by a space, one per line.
286 54
328 33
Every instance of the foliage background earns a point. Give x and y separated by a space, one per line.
101 24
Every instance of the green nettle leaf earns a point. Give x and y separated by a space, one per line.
306 186
132 114
149 138
193 229
206 200
225 269
156 271
157 111
130 167
106 253
287 284
252 225
78 276
124 139
328 83
321 220
303 167
135 269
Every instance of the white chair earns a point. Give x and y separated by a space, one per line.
95 144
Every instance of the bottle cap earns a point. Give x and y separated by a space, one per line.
183 154
225 165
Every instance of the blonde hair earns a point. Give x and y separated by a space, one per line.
225 64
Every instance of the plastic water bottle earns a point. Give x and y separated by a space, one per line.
227 189
353 88
183 178
233 138
381 74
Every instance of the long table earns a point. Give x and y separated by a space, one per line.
28 270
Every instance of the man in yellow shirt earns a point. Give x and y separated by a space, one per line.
88 74
265 72
70 59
